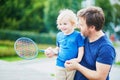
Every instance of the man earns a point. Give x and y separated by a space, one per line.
99 54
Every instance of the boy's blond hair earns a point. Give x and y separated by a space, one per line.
69 14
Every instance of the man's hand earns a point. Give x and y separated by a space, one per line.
71 64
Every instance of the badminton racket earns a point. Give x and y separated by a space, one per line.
26 48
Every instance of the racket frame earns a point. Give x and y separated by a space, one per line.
36 47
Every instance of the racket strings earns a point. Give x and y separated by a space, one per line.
26 48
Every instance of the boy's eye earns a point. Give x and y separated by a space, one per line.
60 24
65 23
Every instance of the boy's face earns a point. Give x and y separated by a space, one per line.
65 26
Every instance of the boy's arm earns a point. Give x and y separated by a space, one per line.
55 50
80 54
50 52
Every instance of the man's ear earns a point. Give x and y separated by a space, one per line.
92 27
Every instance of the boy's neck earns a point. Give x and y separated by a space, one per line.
69 32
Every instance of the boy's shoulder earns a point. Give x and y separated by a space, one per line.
60 33
78 33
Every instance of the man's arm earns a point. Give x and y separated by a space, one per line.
100 73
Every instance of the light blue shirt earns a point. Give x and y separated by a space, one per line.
68 46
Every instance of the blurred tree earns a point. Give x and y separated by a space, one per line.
52 8
112 17
116 19
116 13
41 15
22 15
107 7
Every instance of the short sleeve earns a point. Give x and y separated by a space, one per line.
80 40
106 55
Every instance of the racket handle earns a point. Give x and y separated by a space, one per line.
40 50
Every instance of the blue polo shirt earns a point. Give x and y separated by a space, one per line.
100 51
68 46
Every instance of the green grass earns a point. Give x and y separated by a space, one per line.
117 63
3 47
10 59
17 58
52 74
116 44
7 51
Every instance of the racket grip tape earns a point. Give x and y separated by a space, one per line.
40 50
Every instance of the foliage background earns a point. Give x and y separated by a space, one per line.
36 19
40 15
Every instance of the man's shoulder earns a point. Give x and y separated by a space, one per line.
105 41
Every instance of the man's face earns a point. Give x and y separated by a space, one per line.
83 26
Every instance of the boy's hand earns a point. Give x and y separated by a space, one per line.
49 52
